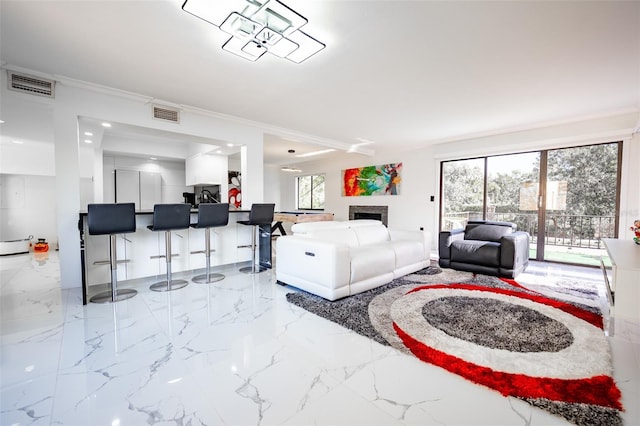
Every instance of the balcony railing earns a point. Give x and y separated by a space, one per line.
560 229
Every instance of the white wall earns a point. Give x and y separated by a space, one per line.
30 157
272 185
27 207
31 123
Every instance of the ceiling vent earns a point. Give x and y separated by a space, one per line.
166 114
31 84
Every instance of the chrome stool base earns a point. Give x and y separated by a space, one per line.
107 296
202 279
173 285
255 269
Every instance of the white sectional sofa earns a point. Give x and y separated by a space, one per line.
337 259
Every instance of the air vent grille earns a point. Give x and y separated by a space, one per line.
166 114
33 85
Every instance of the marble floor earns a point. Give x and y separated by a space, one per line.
233 353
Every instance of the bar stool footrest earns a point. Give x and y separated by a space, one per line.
108 262
163 256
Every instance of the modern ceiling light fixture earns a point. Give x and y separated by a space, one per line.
257 27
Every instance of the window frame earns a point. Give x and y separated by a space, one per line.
311 176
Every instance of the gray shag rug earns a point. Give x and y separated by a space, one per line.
541 342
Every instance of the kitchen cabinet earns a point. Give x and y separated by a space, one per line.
142 188
128 187
150 190
206 169
625 260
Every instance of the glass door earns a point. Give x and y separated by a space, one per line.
566 199
581 202
513 185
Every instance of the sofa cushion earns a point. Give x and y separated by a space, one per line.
476 252
356 223
486 232
304 227
369 261
407 252
342 236
372 234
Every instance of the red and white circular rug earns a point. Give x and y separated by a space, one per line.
493 332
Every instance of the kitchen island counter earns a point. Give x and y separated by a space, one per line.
141 253
150 211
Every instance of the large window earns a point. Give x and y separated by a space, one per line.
566 199
310 191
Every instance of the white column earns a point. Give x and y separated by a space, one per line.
252 169
630 186
67 194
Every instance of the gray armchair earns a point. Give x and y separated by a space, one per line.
485 247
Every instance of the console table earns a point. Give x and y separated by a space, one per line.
297 217
625 284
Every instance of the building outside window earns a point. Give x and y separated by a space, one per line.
310 191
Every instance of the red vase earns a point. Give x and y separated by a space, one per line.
41 246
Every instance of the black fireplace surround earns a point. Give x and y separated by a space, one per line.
370 212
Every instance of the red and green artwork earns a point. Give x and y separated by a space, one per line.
372 180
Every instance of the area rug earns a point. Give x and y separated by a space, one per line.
546 350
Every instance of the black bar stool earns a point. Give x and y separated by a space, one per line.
112 219
167 218
260 214
210 216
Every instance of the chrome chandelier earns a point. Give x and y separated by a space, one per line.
257 27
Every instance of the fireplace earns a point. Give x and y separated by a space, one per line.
369 212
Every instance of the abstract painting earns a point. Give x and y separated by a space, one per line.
372 180
235 189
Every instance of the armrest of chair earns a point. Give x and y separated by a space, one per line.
514 250
445 239
303 259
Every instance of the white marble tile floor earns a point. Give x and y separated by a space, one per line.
231 353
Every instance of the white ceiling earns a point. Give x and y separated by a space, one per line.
399 73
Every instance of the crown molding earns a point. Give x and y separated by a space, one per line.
266 128
282 132
539 125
